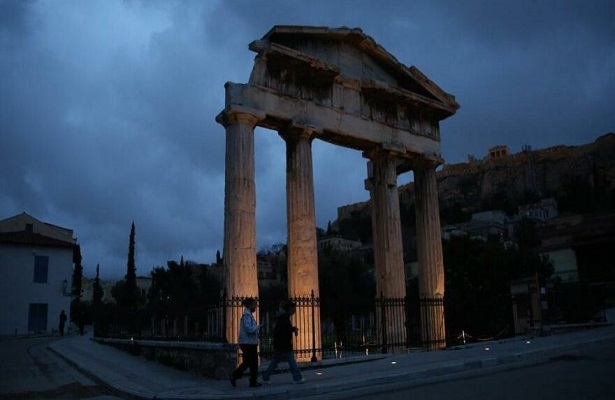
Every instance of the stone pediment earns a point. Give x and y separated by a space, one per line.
344 88
308 62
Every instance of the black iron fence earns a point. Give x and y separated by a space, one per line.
386 325
381 328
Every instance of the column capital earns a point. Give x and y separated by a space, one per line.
298 130
379 152
423 163
240 115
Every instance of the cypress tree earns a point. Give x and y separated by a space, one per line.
97 302
75 304
77 274
132 292
97 291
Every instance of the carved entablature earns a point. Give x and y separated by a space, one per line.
341 81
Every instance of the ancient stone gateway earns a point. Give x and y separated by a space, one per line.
340 86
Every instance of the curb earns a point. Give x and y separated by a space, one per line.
475 364
454 371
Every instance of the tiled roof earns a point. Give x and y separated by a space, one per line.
27 238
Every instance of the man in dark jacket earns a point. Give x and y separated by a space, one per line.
283 342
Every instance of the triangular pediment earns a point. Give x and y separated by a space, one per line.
350 54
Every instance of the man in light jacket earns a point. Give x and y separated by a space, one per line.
248 343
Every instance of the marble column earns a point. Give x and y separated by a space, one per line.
302 250
388 249
240 274
431 265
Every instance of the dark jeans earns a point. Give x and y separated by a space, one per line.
287 356
250 360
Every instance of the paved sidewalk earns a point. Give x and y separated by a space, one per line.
340 378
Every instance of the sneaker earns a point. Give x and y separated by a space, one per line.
267 381
302 380
256 384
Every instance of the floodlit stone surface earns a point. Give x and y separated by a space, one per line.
340 86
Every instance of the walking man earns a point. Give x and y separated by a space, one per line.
283 342
62 322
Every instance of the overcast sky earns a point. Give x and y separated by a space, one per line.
107 107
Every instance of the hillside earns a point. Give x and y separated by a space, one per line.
580 178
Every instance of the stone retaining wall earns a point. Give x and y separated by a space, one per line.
213 360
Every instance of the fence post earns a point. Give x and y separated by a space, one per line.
407 320
314 359
224 316
383 323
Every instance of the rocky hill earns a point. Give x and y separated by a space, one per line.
580 178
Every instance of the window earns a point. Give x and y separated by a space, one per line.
41 265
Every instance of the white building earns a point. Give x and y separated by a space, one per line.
542 210
36 265
144 284
338 243
481 226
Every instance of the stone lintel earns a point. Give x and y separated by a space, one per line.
265 48
348 130
382 90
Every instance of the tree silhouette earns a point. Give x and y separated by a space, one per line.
97 291
478 275
126 292
347 287
75 304
97 303
77 273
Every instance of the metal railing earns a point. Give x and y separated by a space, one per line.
381 328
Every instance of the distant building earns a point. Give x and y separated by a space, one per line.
481 226
582 247
498 152
36 265
495 222
338 243
87 290
144 283
542 210
271 268
267 274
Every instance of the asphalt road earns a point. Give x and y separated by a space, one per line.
586 373
28 370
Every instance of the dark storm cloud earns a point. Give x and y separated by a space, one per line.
115 136
536 74
107 107
14 18
531 71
